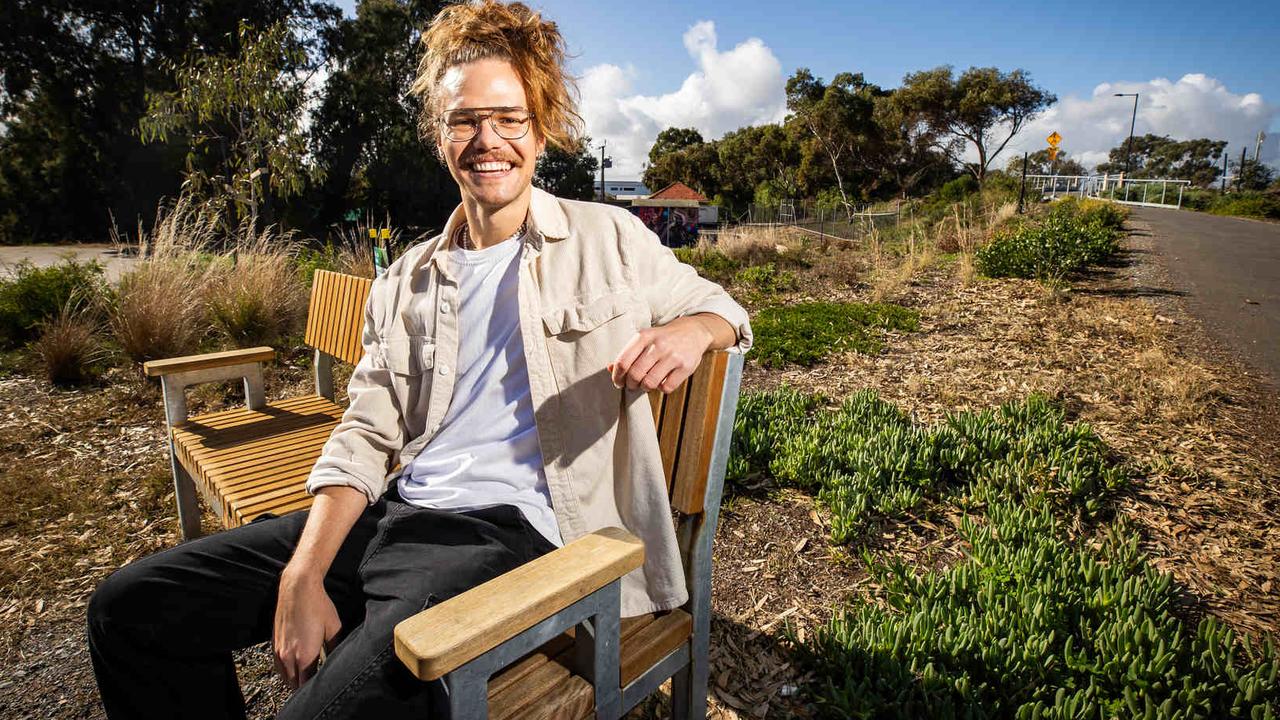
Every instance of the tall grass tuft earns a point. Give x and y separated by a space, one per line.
256 296
160 310
68 350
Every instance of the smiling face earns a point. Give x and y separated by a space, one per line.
489 169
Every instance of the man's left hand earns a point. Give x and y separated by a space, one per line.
663 357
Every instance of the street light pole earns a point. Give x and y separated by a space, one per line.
1128 148
603 195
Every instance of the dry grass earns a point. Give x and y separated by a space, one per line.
256 296
753 245
68 350
160 309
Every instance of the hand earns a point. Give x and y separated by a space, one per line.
306 622
662 357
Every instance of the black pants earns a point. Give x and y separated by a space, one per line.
162 629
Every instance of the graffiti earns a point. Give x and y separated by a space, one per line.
674 226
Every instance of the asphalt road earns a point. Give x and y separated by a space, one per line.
114 264
1230 270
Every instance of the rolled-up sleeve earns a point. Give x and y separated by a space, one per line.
371 432
673 289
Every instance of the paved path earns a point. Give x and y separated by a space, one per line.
43 255
1230 270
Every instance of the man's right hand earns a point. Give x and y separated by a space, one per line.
306 621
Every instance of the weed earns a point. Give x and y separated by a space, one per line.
806 333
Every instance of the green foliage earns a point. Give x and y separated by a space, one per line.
1070 238
1262 205
868 459
568 174
243 118
709 262
1030 625
806 333
1155 156
766 278
957 190
34 295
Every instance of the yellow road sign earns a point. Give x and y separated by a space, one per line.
1054 139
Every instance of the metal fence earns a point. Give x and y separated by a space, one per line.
1149 192
849 223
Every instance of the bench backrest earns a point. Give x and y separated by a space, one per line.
335 317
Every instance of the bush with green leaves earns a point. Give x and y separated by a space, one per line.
1067 240
1032 625
868 459
34 295
766 279
709 262
806 333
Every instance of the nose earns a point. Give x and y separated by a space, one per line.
486 137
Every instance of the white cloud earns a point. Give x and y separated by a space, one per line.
1195 106
731 89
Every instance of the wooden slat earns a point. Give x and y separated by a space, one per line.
655 642
698 434
516 671
465 626
154 368
669 430
513 702
335 321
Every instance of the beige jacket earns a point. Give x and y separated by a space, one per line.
591 275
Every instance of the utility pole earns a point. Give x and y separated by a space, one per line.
1022 191
603 195
1224 169
1128 148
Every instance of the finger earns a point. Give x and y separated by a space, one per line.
673 379
641 367
658 373
630 351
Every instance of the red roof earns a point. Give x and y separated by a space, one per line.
678 191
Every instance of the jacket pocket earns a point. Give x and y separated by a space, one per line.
406 354
583 337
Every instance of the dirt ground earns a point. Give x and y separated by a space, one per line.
85 489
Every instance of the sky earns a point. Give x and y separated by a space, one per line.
1203 69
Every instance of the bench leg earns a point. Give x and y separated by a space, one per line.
184 491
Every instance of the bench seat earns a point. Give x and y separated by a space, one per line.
542 685
249 462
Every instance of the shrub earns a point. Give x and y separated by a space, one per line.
1065 241
1031 626
1255 205
709 262
956 190
34 295
766 278
804 334
68 350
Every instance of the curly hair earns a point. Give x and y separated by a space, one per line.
470 31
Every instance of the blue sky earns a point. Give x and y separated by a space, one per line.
1227 50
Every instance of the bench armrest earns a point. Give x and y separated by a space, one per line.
442 638
169 366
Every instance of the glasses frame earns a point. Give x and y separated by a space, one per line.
486 113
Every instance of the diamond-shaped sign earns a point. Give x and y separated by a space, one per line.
1054 139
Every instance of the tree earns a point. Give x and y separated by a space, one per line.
983 108
74 78
839 118
243 118
697 166
1158 156
364 132
908 157
751 157
568 174
1038 163
672 140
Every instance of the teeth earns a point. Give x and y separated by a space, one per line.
491 166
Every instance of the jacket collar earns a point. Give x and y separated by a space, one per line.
546 219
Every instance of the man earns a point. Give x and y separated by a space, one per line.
503 387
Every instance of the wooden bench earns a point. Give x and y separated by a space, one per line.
542 641
255 460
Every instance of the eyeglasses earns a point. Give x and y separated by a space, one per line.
511 123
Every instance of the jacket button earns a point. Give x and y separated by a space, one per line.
443 370
444 307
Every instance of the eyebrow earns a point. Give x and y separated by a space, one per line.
494 108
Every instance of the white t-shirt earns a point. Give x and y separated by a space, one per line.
486 452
